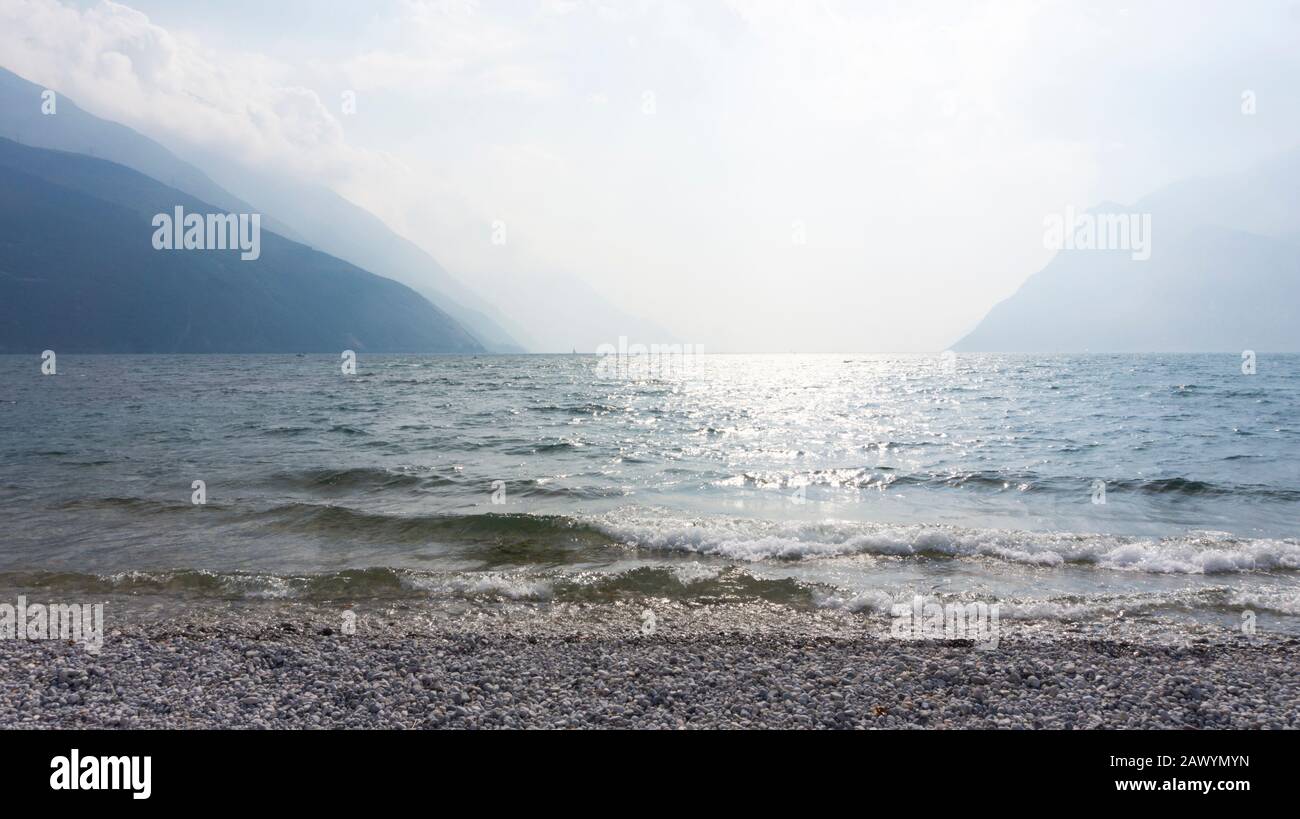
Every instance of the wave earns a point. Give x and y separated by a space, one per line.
566 445
539 538
139 506
519 528
358 478
1186 486
376 583
680 581
687 581
528 537
884 477
288 432
756 540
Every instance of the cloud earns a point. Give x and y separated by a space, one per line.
453 46
118 65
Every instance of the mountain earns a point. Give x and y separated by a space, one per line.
309 214
328 221
1264 200
557 312
79 273
1223 276
73 130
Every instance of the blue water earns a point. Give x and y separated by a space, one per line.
814 480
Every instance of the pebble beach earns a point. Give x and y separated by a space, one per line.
749 666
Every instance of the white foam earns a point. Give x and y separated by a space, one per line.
490 584
1280 601
512 588
694 572
759 540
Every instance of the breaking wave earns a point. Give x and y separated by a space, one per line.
755 540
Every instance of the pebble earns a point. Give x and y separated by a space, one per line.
741 666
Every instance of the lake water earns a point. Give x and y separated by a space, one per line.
1071 487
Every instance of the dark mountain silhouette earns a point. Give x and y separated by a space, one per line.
79 273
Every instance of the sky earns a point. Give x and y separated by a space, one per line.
751 175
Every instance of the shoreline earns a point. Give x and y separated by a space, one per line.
590 666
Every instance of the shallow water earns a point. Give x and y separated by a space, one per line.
816 480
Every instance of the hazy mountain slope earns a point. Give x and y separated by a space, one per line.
1204 291
331 223
72 129
552 313
78 273
1265 199
1224 275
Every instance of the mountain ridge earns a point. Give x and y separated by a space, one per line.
74 130
1223 274
78 273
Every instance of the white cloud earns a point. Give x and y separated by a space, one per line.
118 65
448 45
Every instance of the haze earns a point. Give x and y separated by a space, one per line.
749 176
